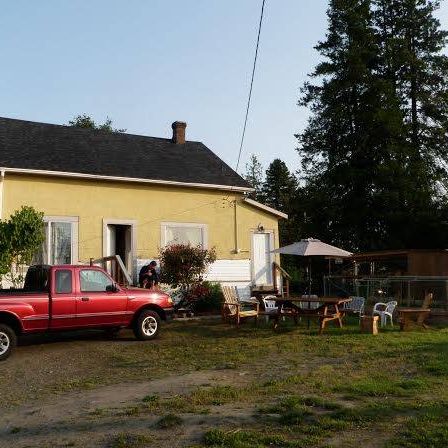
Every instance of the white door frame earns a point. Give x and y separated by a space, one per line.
121 222
271 234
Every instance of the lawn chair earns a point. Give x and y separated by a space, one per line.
270 307
355 306
232 307
385 310
416 317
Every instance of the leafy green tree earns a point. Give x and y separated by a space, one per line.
366 185
25 232
5 249
87 122
254 175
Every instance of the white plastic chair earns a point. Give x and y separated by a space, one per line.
270 306
355 306
385 310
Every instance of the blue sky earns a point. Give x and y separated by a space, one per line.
146 63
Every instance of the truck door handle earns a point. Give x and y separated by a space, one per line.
85 299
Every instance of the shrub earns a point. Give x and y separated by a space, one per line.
205 297
184 265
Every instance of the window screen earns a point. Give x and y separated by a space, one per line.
184 235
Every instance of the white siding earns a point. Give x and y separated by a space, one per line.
232 273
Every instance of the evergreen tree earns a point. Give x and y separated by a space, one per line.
254 175
279 190
279 186
411 43
366 185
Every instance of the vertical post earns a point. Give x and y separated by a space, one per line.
2 181
274 275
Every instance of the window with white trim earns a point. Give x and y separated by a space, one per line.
61 241
184 233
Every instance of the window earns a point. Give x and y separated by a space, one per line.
94 281
61 241
63 281
184 233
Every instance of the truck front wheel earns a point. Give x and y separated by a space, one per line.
8 341
147 325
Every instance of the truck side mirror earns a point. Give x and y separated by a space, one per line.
112 288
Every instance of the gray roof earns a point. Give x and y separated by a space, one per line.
40 146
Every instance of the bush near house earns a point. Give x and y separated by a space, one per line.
184 266
205 297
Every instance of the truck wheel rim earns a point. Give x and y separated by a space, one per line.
4 343
149 326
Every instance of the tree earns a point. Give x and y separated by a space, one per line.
365 186
412 60
279 186
254 175
85 121
279 190
24 232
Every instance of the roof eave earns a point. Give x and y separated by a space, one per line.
266 208
234 188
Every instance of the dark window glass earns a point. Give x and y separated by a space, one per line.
63 281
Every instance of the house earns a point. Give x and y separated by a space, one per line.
114 193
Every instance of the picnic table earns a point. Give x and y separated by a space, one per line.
411 317
327 310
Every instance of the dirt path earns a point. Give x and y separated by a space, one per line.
67 418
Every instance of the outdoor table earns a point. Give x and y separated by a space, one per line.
327 310
410 317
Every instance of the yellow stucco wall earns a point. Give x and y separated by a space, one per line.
149 205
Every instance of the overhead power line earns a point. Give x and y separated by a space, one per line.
251 86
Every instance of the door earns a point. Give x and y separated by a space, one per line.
119 242
262 259
96 303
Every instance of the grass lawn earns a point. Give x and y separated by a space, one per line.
289 388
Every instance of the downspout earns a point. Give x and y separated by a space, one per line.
235 215
2 179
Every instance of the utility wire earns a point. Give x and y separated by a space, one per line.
251 86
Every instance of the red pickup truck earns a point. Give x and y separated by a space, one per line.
59 298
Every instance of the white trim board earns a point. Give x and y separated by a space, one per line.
126 179
265 208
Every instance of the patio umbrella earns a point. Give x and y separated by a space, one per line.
311 247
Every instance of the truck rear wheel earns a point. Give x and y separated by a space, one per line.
147 325
8 340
